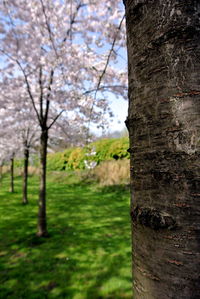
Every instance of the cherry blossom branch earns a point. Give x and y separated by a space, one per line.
73 19
26 81
29 90
12 23
48 27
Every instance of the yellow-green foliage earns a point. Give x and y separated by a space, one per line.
76 159
56 161
108 149
59 160
101 147
104 149
113 172
118 149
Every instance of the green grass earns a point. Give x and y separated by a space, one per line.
87 253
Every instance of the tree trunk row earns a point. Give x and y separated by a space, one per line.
42 223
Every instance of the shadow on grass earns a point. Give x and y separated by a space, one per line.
87 254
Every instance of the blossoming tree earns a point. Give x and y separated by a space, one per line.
66 54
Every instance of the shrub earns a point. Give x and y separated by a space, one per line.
56 161
118 149
101 149
59 160
19 163
76 159
93 154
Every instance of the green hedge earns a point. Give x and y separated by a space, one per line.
74 158
108 149
118 149
56 161
59 160
101 150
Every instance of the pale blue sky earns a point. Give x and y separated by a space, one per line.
119 106
120 110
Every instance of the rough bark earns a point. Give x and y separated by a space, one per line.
42 223
163 39
12 175
25 174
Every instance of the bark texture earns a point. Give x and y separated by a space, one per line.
25 174
163 39
42 223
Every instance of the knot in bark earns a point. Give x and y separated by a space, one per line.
152 218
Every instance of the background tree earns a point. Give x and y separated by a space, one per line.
163 40
18 124
29 136
63 51
9 147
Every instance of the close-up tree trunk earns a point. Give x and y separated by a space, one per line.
42 223
163 40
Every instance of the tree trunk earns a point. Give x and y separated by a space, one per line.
1 173
25 174
42 223
163 39
12 175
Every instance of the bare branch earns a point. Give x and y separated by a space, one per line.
55 119
32 138
103 72
41 92
48 95
105 87
109 56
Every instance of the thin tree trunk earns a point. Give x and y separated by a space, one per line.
1 173
42 222
25 175
163 39
12 175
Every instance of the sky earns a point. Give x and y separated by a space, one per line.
119 106
120 110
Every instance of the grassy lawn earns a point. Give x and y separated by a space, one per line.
87 254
